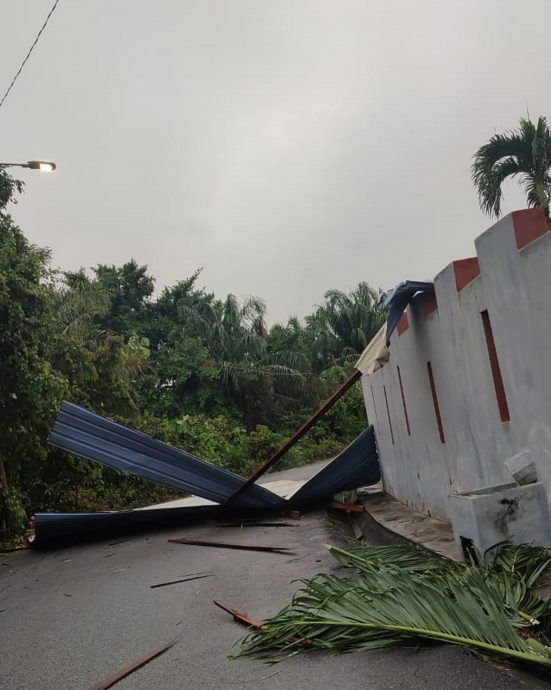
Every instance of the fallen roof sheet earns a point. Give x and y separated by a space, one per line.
87 434
102 440
53 529
357 465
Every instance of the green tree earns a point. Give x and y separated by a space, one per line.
181 378
78 304
129 288
236 338
524 153
30 390
344 324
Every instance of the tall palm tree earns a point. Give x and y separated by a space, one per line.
346 322
524 152
78 301
236 338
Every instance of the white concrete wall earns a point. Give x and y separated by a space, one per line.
514 286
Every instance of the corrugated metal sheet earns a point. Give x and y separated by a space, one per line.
52 529
397 299
99 439
114 445
357 465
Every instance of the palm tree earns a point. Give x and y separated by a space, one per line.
525 152
345 323
78 302
236 338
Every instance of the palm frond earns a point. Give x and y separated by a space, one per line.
406 557
525 151
399 595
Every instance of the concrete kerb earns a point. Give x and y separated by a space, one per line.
387 521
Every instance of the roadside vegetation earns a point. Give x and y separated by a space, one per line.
199 372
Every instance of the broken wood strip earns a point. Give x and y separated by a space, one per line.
349 507
244 619
186 579
134 666
242 547
292 514
256 524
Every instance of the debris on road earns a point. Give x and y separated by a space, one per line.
108 443
244 619
349 507
239 617
243 547
198 576
134 666
399 594
245 523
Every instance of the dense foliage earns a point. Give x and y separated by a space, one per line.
195 371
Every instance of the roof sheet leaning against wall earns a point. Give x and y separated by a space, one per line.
357 465
114 445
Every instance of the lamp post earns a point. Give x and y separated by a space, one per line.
46 166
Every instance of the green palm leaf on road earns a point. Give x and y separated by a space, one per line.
406 598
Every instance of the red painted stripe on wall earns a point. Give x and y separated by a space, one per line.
435 404
428 304
529 224
496 370
404 401
388 415
403 324
466 270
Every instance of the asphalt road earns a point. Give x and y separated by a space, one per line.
69 618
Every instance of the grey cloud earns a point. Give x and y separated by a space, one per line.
287 147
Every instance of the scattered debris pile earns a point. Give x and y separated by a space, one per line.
114 445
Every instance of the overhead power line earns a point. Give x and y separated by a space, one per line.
28 54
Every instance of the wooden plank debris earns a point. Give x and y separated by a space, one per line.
198 576
243 547
134 666
349 507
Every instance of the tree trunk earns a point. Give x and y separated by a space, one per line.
3 489
3 476
249 417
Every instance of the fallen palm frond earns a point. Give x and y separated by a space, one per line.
403 556
521 561
400 594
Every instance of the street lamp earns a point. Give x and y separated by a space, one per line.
46 166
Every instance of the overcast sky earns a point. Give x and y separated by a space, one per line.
288 147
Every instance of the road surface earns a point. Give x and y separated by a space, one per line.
69 618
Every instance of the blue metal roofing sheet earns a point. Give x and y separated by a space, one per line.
100 439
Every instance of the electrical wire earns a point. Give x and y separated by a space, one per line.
29 53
